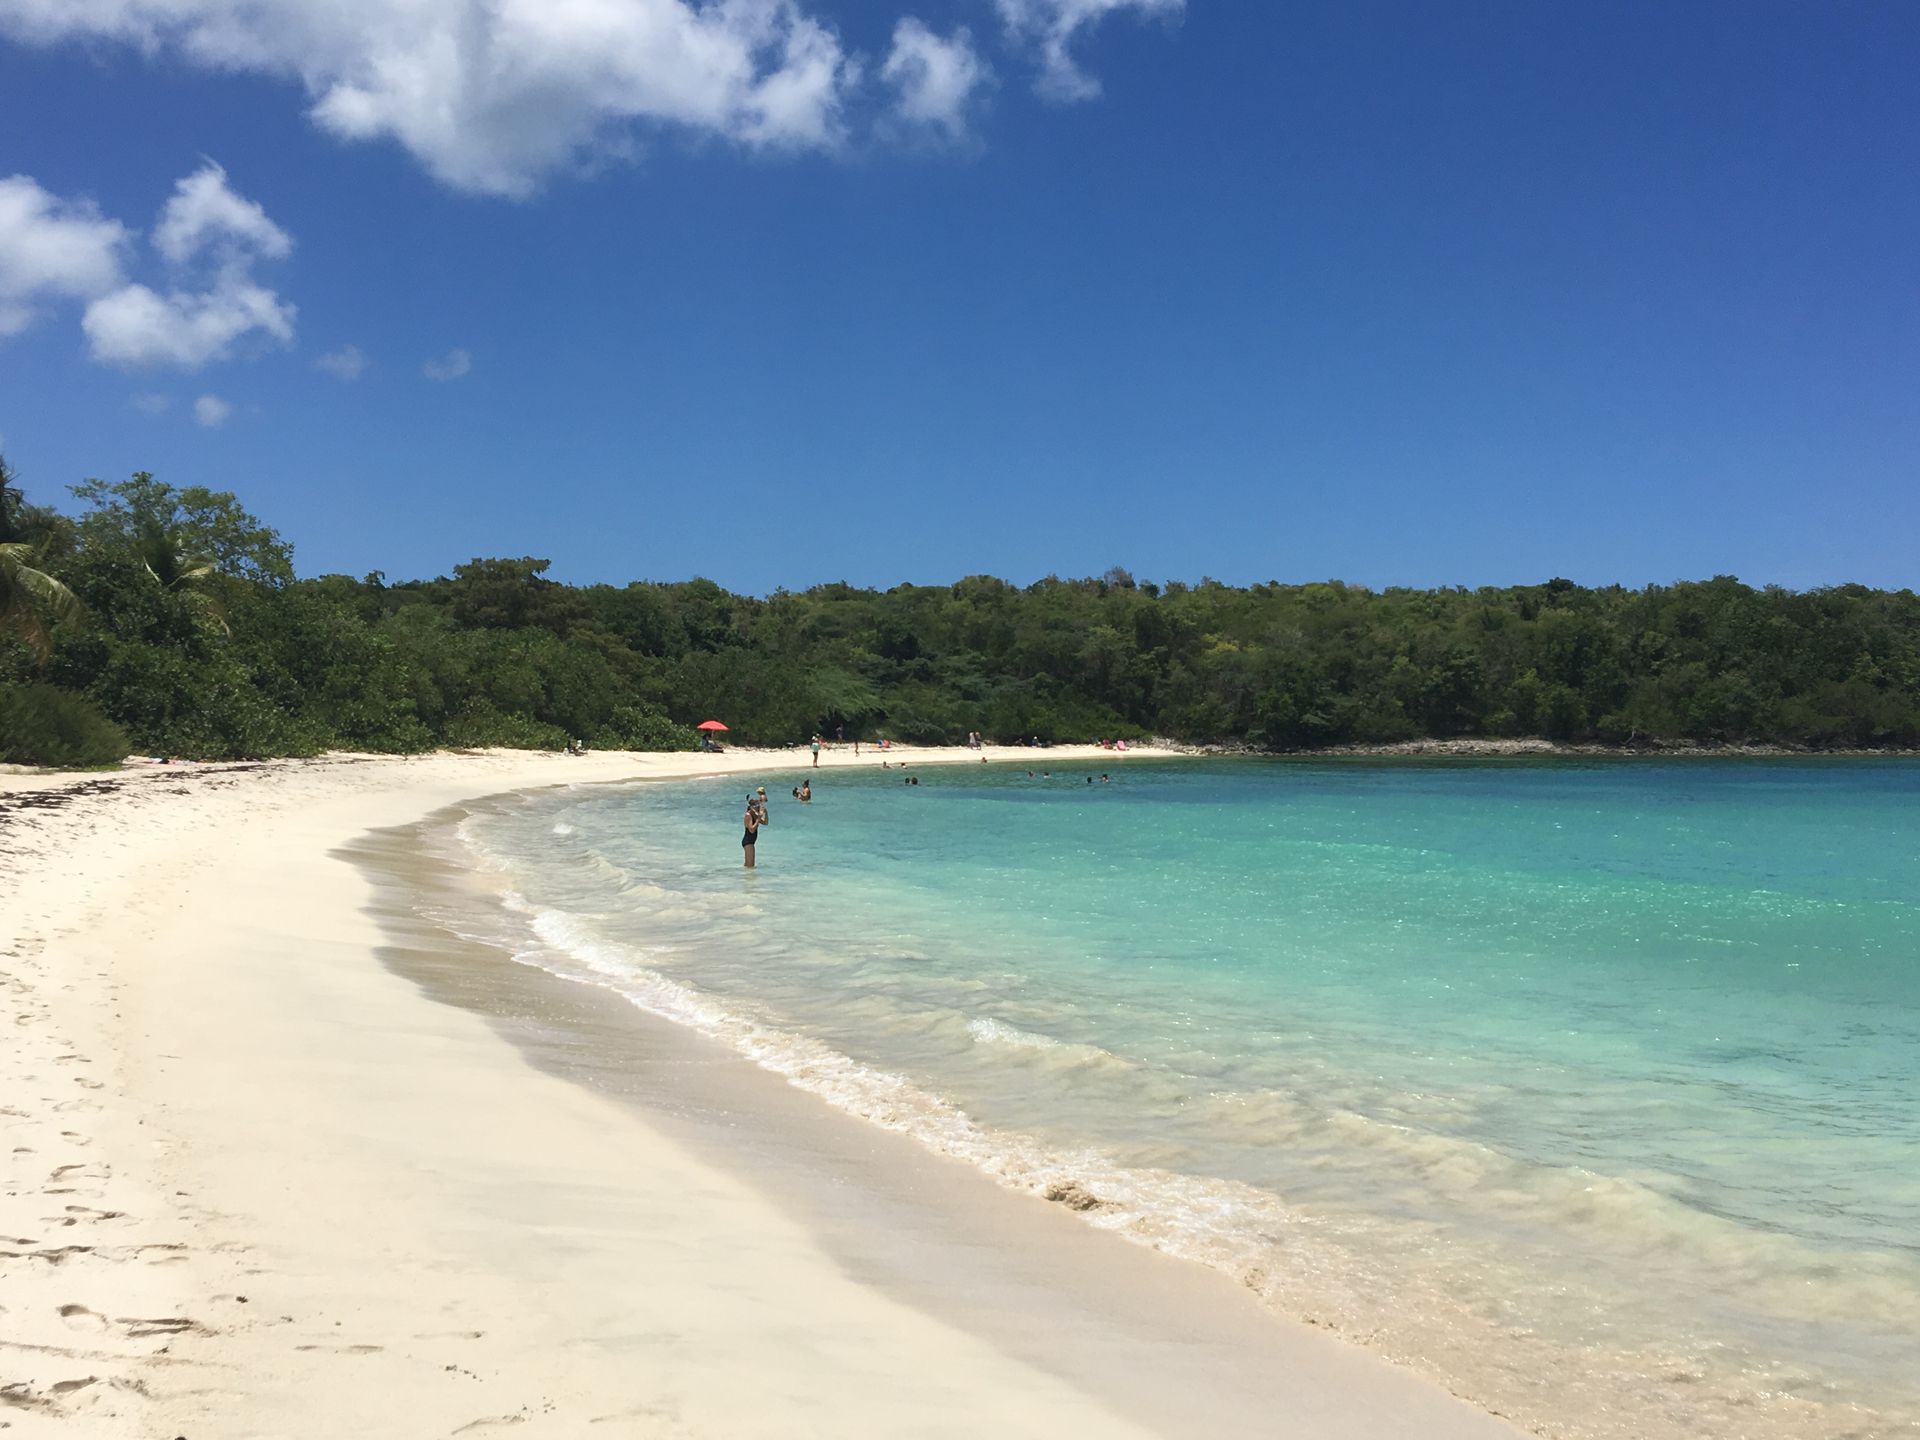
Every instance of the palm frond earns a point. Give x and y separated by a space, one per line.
32 602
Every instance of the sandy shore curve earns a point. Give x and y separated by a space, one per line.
264 1180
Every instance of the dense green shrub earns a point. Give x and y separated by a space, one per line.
40 725
641 727
485 728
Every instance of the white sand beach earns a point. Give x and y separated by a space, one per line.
261 1180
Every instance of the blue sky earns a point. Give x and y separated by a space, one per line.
1400 293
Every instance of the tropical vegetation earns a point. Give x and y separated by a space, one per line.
175 616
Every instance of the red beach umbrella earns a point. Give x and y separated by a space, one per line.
709 725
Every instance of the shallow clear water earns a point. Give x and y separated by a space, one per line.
1592 1088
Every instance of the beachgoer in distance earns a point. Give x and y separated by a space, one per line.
752 822
816 752
805 792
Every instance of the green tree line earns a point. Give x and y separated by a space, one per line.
174 617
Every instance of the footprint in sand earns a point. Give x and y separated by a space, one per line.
79 1317
82 1318
53 1255
78 1213
163 1325
488 1422
21 1396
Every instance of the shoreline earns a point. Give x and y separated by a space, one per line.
262 1180
15 779
1479 748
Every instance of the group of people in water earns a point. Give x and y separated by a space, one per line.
756 816
755 819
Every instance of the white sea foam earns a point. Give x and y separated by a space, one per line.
989 1031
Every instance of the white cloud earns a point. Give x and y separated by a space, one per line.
1053 25
205 212
215 303
51 249
493 95
455 364
346 363
933 79
138 327
152 403
211 411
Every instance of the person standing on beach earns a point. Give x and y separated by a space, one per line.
752 822
816 752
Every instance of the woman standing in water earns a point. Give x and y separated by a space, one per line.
752 822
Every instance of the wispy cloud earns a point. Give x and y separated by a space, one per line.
152 403
211 411
205 214
933 79
451 366
346 363
1052 26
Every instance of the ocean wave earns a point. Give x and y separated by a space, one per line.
1054 1055
989 1031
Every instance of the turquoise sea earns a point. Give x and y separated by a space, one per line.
1590 1088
